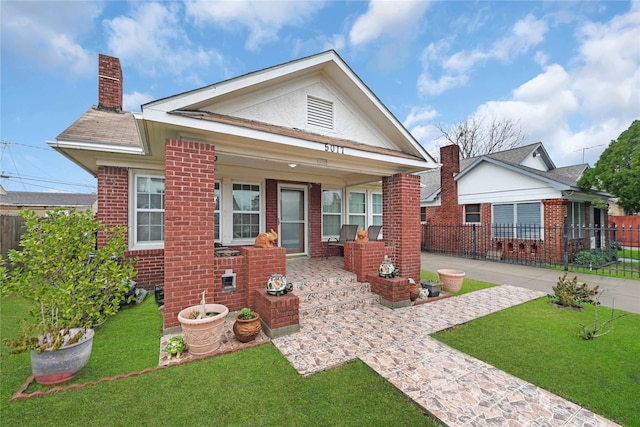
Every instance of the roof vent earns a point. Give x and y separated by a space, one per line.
319 113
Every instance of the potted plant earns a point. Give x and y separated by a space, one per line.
73 286
202 327
247 325
433 288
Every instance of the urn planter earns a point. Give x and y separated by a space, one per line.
246 330
451 279
203 336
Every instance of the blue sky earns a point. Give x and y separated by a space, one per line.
568 72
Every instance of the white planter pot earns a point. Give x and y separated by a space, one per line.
58 366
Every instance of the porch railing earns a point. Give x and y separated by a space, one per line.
579 248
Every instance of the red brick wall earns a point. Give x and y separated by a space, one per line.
450 212
395 289
401 221
189 260
271 205
554 212
317 247
261 264
278 312
363 258
109 83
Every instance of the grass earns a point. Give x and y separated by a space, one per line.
621 270
633 254
255 386
539 343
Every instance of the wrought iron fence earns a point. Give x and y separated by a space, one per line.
570 248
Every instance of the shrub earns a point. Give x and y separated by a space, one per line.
596 257
568 294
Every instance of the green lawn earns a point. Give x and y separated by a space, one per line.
622 270
256 386
539 343
468 285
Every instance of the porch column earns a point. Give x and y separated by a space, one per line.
401 222
189 240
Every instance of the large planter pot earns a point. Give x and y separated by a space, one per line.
58 366
451 279
247 330
203 336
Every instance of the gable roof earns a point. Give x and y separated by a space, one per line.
563 178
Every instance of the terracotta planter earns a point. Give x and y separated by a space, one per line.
203 336
451 279
247 330
58 366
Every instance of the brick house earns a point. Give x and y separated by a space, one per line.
518 197
300 148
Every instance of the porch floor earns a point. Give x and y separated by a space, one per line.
454 387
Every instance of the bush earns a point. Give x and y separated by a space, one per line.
596 257
568 294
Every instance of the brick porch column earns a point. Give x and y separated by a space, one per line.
189 255
401 222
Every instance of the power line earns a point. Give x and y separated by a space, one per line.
52 181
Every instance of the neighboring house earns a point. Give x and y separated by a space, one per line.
517 195
300 148
12 202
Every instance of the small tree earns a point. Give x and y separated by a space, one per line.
71 283
617 171
476 136
567 293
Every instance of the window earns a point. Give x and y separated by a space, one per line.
520 220
246 210
472 213
423 214
331 213
576 219
149 209
376 209
358 209
216 211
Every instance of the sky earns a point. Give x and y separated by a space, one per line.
568 72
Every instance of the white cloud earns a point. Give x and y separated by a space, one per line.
150 38
48 33
525 34
133 101
420 114
387 17
263 19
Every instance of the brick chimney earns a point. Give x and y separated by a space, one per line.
449 210
109 83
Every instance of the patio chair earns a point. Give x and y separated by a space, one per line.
373 232
347 234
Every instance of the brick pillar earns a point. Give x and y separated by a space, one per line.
261 264
401 222
554 212
316 247
363 258
189 256
271 205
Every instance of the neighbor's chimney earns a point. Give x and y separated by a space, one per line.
450 159
109 83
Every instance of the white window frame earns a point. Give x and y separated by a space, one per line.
260 212
134 244
364 214
479 213
218 210
340 214
372 214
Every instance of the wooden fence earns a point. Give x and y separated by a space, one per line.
11 230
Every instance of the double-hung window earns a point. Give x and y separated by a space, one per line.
520 220
216 211
358 209
331 213
246 210
149 209
472 213
376 209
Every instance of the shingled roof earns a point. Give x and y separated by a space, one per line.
103 127
29 199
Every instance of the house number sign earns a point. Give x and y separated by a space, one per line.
339 149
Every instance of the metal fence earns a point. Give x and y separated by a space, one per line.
575 248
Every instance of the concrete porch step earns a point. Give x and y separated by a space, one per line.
312 311
341 292
333 295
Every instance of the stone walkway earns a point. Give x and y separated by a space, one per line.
456 388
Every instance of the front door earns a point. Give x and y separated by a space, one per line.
293 219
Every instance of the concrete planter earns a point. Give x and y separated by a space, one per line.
451 279
58 366
203 336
